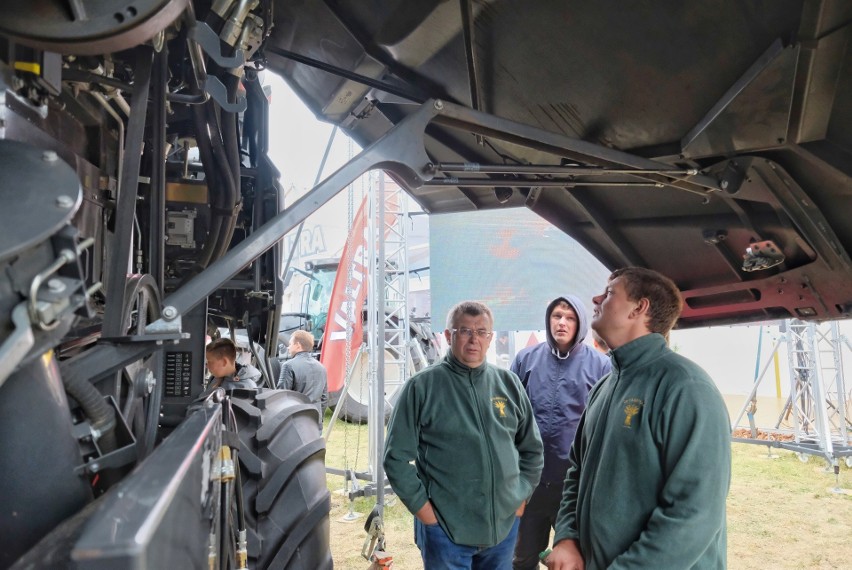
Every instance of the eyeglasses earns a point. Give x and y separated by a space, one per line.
467 333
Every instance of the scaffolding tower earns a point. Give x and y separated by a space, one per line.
388 338
815 419
388 345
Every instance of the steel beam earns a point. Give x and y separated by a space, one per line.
477 122
128 190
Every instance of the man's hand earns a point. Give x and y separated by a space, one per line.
565 556
521 509
426 514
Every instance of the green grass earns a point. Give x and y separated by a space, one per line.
783 513
348 448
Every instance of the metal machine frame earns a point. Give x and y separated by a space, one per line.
400 152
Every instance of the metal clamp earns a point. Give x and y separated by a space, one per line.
762 255
209 42
375 535
219 92
65 256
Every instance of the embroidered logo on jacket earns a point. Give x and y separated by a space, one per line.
632 406
500 405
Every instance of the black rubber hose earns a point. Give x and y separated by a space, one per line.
226 178
231 201
232 151
214 183
100 414
79 75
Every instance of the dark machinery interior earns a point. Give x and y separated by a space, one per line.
709 140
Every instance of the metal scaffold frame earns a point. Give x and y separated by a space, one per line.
816 408
387 342
388 335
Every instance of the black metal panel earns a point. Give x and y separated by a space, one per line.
692 84
40 193
162 515
40 485
184 369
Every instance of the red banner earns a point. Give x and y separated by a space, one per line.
346 308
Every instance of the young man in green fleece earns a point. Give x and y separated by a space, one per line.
651 462
463 451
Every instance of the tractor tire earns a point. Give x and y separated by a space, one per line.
356 412
354 408
282 471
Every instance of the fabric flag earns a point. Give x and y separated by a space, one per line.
346 307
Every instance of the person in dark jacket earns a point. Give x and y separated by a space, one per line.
651 462
557 375
304 373
463 452
227 373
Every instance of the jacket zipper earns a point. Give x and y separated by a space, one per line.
488 453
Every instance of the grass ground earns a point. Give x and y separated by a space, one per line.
782 513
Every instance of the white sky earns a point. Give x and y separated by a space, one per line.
297 139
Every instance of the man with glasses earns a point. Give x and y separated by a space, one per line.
558 375
463 451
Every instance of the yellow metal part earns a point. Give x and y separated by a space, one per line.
242 551
186 192
28 66
777 375
242 559
228 473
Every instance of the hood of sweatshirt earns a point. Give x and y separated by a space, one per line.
582 323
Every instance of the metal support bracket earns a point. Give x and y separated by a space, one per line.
219 92
209 42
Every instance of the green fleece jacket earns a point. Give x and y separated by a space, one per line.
475 447
650 465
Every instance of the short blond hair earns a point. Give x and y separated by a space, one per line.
303 339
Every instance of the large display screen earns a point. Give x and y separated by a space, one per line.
513 260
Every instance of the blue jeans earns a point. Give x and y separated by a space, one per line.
441 553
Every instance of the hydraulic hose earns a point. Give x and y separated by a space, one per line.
231 145
214 184
100 414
